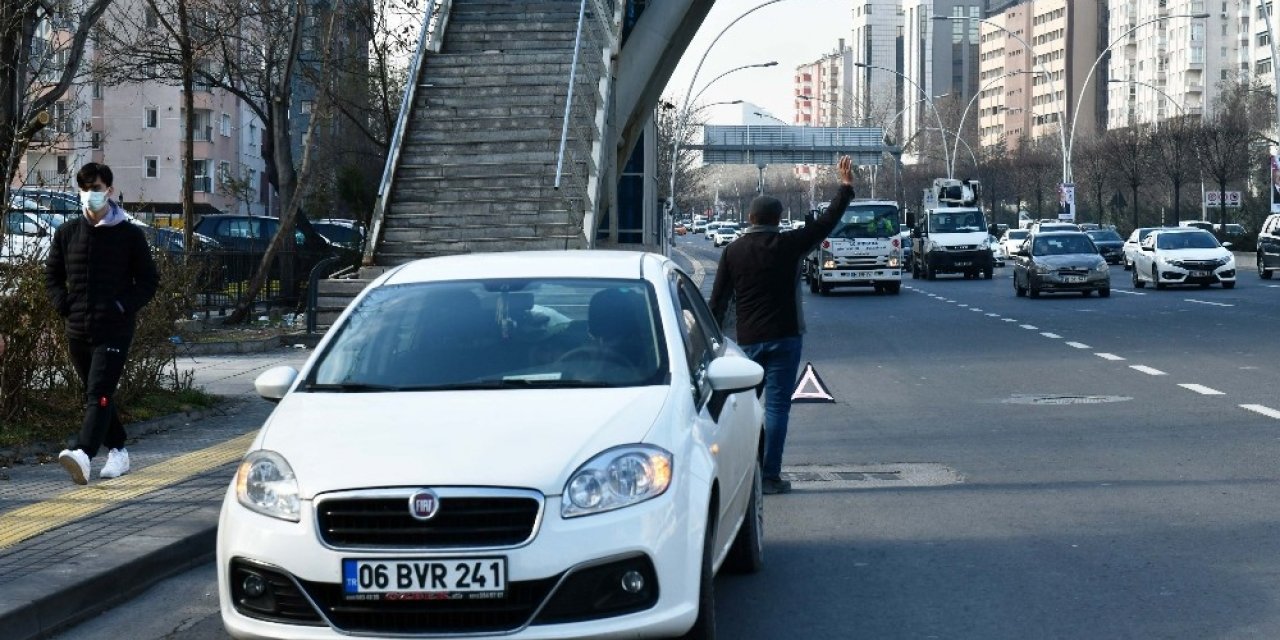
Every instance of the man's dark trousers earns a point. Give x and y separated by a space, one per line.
100 363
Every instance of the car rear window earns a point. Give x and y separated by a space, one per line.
498 334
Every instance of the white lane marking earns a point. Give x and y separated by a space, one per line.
963 306
1266 411
1109 356
993 315
1052 336
975 309
1274 286
699 272
1029 327
1213 304
1201 389
1147 370
1079 345
947 300
1010 319
1132 293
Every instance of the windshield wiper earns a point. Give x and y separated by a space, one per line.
559 383
351 387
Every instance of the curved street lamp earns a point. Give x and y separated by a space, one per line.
946 151
965 115
1071 145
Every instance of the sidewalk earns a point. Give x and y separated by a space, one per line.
70 552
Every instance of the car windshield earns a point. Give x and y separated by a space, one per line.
956 221
1016 235
338 233
1196 240
727 228
867 221
1062 245
495 334
1105 235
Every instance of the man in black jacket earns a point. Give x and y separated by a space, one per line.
98 275
761 272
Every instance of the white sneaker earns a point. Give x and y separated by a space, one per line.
117 464
76 462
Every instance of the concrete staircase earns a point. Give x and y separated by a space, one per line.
477 164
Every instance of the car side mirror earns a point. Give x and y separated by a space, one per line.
731 374
274 383
1148 248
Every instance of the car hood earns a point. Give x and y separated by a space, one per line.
1070 261
509 438
1193 254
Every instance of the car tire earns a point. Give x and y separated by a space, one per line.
915 270
824 289
813 283
1228 285
878 288
987 275
1085 293
1263 272
1127 265
894 288
1137 281
1104 293
704 626
1155 278
1018 291
747 553
1032 290
929 272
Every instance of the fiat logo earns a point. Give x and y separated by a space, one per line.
424 504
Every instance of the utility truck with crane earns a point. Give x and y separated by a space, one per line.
951 234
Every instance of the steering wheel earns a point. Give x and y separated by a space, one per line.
591 354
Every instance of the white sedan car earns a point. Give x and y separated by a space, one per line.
725 233
1183 256
1133 245
497 445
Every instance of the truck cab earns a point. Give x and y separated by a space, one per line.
951 234
863 250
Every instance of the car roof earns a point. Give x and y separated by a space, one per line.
622 265
1056 234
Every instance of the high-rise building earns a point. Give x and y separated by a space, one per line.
878 38
940 57
1039 92
1173 66
827 84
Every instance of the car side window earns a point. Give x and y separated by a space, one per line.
698 347
703 311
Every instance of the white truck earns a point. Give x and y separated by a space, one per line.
863 250
951 235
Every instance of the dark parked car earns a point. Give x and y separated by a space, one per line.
1110 245
1060 261
244 240
348 234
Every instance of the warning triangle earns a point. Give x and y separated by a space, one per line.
811 387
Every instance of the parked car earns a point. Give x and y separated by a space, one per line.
1110 245
244 240
26 235
725 233
1060 261
342 232
1183 256
1131 245
1268 252
680 229
537 444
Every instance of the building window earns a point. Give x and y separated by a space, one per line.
253 134
306 107
97 89
95 140
62 165
224 172
224 126
152 20
202 183
153 164
152 119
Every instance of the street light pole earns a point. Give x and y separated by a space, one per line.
946 151
974 99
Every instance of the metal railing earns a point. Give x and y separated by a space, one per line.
430 36
568 103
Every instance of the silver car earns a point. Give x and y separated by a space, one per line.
1060 261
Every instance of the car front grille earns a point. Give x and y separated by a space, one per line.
465 519
1201 265
1073 272
446 617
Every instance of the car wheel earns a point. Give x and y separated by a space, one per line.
1262 268
915 270
1155 278
813 283
987 275
704 627
879 289
1032 290
893 288
929 272
824 289
1017 290
1104 293
1127 265
1137 282
1085 293
747 553
1228 285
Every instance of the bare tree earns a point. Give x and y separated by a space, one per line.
1093 172
1127 152
1223 142
689 172
1035 173
1173 148
36 70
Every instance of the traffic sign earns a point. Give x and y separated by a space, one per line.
1214 199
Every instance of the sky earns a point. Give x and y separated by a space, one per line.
792 32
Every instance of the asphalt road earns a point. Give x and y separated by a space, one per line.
1095 499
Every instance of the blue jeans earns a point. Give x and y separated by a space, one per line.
781 361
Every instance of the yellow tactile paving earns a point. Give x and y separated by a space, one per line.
33 520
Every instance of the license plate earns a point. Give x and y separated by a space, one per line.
1199 274
963 264
437 578
1073 279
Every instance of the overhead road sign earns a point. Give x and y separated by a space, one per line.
740 144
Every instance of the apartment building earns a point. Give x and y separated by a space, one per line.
878 40
827 82
1034 83
939 57
1163 67
1255 44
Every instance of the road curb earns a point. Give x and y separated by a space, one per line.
44 602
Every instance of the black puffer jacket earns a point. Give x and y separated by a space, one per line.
99 277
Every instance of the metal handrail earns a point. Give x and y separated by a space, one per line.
428 39
313 295
568 102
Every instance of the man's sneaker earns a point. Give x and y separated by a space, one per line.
774 486
76 462
117 464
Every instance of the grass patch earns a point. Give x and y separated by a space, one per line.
54 424
235 335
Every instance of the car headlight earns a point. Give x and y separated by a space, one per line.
1174 263
1044 269
1226 261
265 483
1102 266
617 478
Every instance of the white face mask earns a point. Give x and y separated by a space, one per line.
93 200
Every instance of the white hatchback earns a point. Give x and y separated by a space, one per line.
1183 256
515 445
725 233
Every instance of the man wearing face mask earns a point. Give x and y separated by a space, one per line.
98 275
